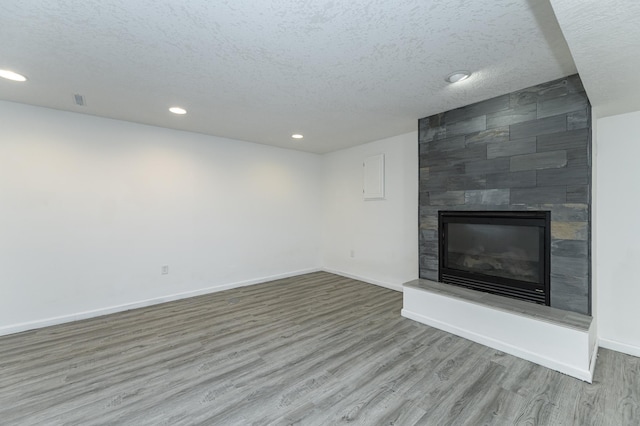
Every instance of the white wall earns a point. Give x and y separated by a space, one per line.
617 232
90 208
383 234
594 224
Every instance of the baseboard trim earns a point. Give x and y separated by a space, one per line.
619 347
32 325
500 345
390 286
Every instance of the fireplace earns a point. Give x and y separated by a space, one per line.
500 252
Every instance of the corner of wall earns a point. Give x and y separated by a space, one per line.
371 240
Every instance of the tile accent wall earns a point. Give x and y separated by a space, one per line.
527 150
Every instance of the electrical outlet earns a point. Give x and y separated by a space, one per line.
165 269
353 253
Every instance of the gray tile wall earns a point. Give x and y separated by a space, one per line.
527 150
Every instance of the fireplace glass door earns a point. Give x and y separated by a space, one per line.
506 253
499 250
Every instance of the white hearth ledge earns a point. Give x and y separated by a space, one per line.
561 340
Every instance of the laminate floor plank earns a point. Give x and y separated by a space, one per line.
466 392
495 406
622 398
316 349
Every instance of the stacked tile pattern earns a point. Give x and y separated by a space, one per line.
527 150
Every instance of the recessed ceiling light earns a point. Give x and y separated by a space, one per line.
457 76
297 136
178 110
10 75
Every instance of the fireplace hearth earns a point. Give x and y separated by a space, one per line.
500 252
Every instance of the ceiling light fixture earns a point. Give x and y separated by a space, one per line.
297 136
10 75
457 76
178 110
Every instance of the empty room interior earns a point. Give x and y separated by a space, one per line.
318 213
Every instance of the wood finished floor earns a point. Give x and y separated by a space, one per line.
318 349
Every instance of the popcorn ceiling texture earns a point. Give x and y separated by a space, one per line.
341 73
527 150
604 37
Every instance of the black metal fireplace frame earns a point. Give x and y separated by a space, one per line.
533 292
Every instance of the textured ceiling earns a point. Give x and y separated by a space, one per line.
604 37
341 73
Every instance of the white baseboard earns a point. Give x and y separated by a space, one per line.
582 374
619 347
390 286
568 350
31 325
